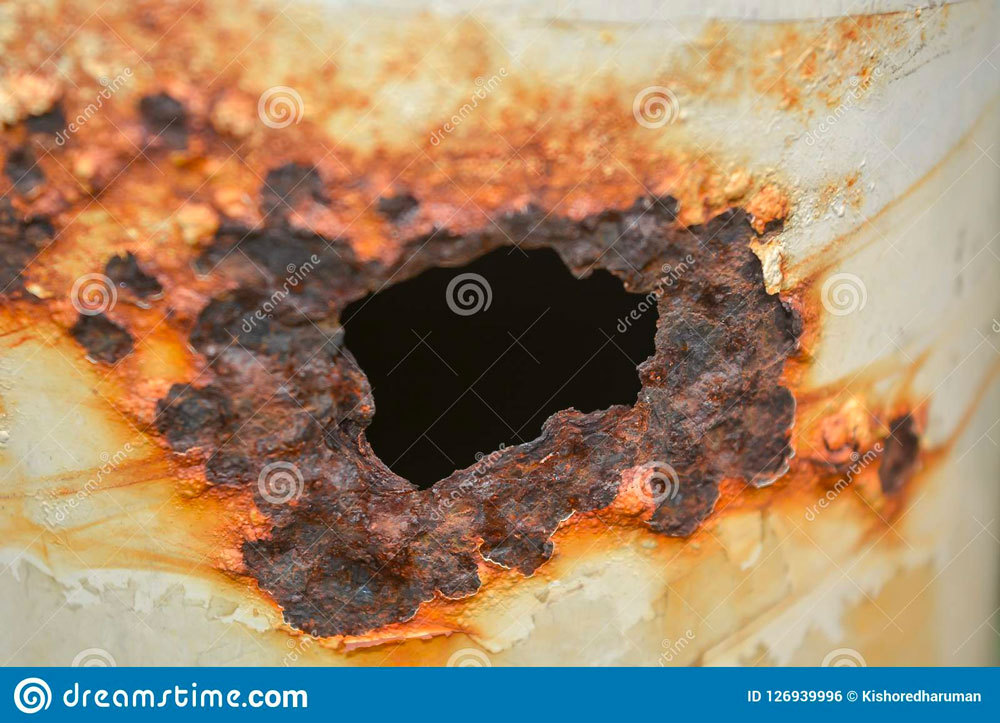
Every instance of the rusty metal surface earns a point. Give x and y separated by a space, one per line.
361 548
196 212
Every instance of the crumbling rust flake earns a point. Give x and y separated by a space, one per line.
165 121
103 339
901 456
356 547
22 168
125 271
21 239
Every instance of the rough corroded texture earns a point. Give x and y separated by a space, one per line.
103 339
900 458
360 547
165 121
396 208
125 271
23 171
48 123
20 241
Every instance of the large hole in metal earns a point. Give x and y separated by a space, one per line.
465 360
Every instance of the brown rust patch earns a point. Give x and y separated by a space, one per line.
360 548
901 456
103 339
21 238
124 270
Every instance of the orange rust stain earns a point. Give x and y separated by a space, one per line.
767 205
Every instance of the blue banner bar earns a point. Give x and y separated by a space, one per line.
499 694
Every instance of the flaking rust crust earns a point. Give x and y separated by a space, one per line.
361 547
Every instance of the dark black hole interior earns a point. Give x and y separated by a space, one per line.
449 385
